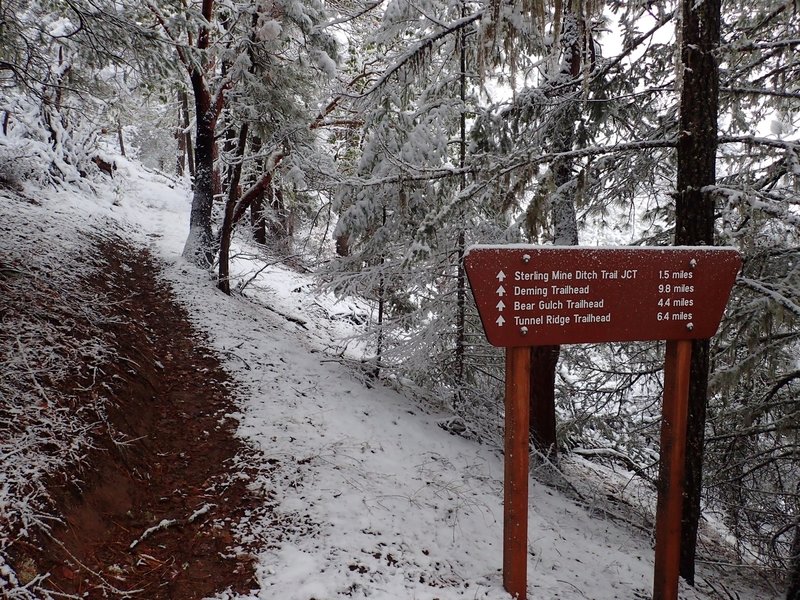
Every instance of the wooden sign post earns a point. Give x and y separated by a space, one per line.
515 475
674 413
536 296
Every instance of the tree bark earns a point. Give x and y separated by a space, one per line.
121 138
281 228
257 221
180 137
343 245
199 247
544 360
694 225
461 240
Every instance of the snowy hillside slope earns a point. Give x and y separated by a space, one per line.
365 495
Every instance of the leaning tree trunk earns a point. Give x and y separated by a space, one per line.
694 225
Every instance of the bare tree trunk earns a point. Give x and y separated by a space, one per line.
180 158
544 360
793 591
120 138
461 241
258 222
381 308
199 247
281 228
381 312
223 281
694 225
52 99
343 245
59 87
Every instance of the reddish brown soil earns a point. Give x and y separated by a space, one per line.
172 454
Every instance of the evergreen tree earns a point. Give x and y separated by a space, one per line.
694 224
403 252
236 52
752 477
62 63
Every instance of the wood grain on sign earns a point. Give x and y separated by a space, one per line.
534 296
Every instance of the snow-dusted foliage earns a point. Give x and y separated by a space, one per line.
283 63
405 217
415 202
63 68
754 432
30 151
257 73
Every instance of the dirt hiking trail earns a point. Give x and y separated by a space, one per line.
149 513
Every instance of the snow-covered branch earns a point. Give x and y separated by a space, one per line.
753 140
590 151
418 50
745 91
505 168
347 18
614 454
782 300
767 203
753 46
165 524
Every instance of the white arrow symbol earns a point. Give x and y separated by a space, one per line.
501 291
501 305
501 276
500 320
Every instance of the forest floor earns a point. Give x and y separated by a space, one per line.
149 508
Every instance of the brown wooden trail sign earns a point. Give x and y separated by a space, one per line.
534 296
531 296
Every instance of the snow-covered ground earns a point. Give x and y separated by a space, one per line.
366 496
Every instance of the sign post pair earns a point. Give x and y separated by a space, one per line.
531 296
